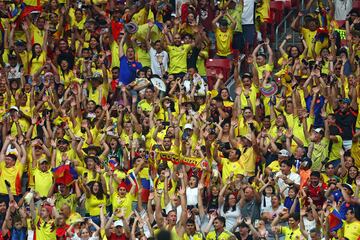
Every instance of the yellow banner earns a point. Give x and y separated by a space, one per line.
177 159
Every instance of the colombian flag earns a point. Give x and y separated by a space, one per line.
145 183
64 174
335 221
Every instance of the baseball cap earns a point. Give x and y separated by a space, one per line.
247 136
14 108
188 126
20 42
118 223
91 20
284 153
319 130
43 160
345 100
97 74
348 186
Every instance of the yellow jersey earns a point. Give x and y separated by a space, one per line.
178 58
13 176
223 42
225 235
45 230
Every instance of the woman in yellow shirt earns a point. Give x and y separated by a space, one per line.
95 197
121 199
64 71
38 56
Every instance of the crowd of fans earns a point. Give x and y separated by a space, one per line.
113 127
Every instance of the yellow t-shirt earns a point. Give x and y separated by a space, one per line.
70 200
298 129
266 67
352 230
196 236
200 62
225 235
335 151
115 60
91 176
319 153
274 166
223 42
228 167
243 127
34 2
65 77
37 35
141 16
92 205
45 230
80 25
143 57
25 60
263 11
43 181
291 234
308 37
254 90
122 203
119 174
355 153
71 154
13 176
36 63
96 94
248 161
24 125
178 58
145 105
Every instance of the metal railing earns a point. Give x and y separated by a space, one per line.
283 24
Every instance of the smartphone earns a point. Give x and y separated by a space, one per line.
165 124
7 183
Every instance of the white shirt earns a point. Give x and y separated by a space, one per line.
76 237
155 64
342 8
231 216
265 204
191 196
282 185
248 12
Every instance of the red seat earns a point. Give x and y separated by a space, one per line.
356 4
216 66
276 15
276 11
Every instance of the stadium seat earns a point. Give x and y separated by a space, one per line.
219 66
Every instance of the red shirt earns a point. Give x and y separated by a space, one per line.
316 193
113 236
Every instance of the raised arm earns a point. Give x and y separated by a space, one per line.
295 25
